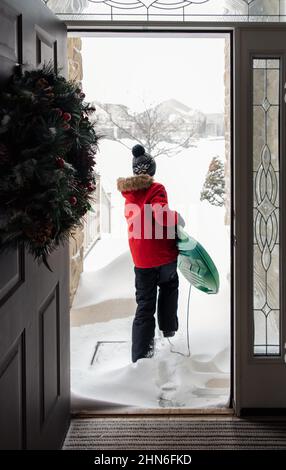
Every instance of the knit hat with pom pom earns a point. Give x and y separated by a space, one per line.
142 162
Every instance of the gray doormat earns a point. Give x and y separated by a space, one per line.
175 433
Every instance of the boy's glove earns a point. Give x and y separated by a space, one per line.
181 221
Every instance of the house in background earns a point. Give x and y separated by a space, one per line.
214 125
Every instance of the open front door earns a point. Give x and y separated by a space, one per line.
34 303
260 218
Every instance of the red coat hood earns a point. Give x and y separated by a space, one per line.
148 251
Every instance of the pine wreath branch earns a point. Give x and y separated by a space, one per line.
47 161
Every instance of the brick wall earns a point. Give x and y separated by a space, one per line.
76 240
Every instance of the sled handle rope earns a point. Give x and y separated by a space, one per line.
198 268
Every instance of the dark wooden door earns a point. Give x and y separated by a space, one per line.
34 303
260 221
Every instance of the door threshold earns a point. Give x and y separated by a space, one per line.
134 412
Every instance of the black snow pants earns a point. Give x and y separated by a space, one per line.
143 328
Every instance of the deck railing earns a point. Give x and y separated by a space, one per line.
98 219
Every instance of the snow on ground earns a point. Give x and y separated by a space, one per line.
104 305
104 252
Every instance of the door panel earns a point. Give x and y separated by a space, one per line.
46 48
12 406
10 37
49 353
260 218
34 303
13 276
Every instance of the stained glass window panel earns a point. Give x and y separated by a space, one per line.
174 10
266 249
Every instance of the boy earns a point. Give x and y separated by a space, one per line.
152 241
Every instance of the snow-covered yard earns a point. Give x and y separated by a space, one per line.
103 309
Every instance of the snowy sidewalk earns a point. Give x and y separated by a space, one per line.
102 372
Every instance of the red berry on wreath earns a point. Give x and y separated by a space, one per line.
73 200
90 187
67 117
66 127
42 83
82 95
60 162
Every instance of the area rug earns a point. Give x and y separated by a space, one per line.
175 433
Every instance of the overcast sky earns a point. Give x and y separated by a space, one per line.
134 70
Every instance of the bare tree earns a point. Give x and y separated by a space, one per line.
152 128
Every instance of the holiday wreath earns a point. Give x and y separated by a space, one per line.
47 157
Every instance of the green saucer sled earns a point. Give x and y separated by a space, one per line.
195 264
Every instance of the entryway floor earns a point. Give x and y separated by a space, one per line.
189 433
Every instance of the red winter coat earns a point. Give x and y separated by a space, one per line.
151 224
